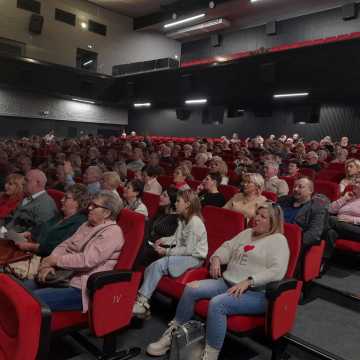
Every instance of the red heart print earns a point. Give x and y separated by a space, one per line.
249 248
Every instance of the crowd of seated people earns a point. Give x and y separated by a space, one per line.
103 175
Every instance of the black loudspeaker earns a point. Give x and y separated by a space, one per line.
271 28
213 115
307 114
349 11
36 24
215 40
267 73
234 112
183 114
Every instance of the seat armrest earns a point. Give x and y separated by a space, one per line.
276 288
99 280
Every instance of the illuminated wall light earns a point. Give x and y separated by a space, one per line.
88 62
83 25
196 101
221 59
142 105
83 101
280 96
183 21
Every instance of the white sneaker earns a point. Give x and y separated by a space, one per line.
162 346
210 353
141 307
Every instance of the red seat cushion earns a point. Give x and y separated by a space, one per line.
65 319
348 245
236 323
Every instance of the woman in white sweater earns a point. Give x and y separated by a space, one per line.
186 249
254 258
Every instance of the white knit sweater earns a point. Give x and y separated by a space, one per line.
265 259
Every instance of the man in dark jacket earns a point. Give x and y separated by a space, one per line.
308 211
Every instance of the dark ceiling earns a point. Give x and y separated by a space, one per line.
330 72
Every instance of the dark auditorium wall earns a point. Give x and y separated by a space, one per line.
335 120
319 25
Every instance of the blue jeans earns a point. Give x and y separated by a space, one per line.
221 305
58 299
165 266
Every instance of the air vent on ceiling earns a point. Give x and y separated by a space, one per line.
97 28
66 17
206 27
29 5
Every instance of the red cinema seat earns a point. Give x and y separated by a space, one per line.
270 196
340 167
57 196
151 202
290 181
347 245
310 173
328 188
228 191
221 225
199 173
193 183
165 181
283 297
24 322
312 260
110 292
330 175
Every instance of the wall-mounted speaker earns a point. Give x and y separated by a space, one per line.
309 114
183 114
213 115
271 28
215 40
36 24
349 11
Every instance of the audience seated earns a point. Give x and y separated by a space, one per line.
272 182
132 196
149 175
91 177
250 199
12 196
111 181
306 210
94 247
37 208
187 249
239 289
218 165
293 169
136 163
352 170
312 161
181 173
208 191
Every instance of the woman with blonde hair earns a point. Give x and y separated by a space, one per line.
250 199
352 170
13 194
186 249
253 258
181 173
219 165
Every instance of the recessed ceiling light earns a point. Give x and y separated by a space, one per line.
196 101
289 95
90 46
83 101
140 105
83 24
183 21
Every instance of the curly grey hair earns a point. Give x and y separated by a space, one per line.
111 202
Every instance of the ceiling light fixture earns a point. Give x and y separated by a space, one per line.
87 62
83 24
195 101
279 96
83 101
183 21
140 105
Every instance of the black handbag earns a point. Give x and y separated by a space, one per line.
188 341
61 278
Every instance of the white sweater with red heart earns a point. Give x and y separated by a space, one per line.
265 259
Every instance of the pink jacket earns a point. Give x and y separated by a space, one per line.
100 253
350 208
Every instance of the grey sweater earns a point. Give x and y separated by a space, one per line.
189 239
265 259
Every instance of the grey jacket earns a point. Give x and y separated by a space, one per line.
34 213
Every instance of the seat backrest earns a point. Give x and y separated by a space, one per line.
199 173
193 183
337 167
270 196
132 225
308 172
57 196
290 181
151 202
228 191
221 225
165 181
330 175
24 323
328 188
293 234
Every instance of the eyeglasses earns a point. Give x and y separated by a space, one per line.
93 206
